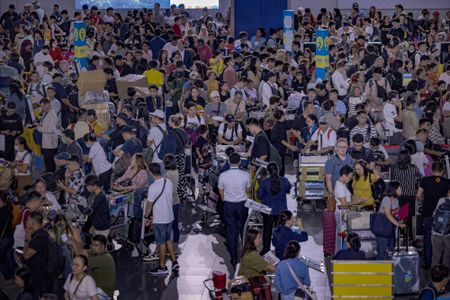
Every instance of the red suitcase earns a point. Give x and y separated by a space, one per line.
329 233
260 288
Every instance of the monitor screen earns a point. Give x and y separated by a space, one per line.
138 4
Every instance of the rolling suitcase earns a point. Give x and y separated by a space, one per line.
260 288
406 267
329 232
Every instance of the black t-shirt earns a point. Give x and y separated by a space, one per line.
111 86
278 135
434 188
182 139
116 137
364 154
6 217
260 146
350 254
299 123
13 123
72 94
39 243
100 217
204 148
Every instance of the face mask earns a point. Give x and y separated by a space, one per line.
74 81
16 148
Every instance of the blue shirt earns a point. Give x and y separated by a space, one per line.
341 108
156 44
282 235
277 202
132 146
284 281
334 164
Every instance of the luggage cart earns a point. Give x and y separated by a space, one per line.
359 223
310 184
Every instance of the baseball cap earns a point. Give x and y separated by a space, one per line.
323 120
271 74
128 129
63 156
122 116
193 74
159 114
74 158
215 94
229 118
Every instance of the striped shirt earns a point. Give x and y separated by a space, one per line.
408 178
368 132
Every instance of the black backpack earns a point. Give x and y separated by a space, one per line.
378 189
56 260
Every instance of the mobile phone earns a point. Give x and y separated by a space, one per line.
64 238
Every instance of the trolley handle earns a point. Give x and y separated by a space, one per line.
212 290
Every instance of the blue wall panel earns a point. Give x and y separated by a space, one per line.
251 14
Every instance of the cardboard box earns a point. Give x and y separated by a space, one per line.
131 80
91 81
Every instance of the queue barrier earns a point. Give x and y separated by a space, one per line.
354 279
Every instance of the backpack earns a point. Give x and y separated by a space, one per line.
381 91
441 219
233 133
274 155
56 260
422 293
168 144
378 188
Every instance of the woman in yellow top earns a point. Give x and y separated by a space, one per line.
362 183
216 62
211 83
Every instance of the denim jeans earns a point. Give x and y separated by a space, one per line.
290 296
7 263
383 244
427 246
175 225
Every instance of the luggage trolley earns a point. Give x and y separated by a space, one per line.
310 184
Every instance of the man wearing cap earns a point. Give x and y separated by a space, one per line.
73 182
215 108
230 132
9 17
11 127
131 146
269 88
156 134
326 138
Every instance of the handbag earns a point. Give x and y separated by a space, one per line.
381 226
302 293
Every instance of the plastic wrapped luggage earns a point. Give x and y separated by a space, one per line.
329 232
260 288
406 268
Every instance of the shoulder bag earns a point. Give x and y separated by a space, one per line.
303 293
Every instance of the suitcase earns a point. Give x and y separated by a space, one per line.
406 268
260 288
329 232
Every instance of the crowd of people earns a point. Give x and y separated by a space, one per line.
388 83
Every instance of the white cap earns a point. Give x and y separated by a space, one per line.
159 114
301 9
215 94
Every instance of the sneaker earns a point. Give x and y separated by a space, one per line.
175 266
151 258
159 271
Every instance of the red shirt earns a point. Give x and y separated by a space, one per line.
177 29
56 54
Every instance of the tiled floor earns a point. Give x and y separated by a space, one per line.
202 254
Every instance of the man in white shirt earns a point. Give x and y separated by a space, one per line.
109 17
325 136
446 75
159 205
269 88
171 46
156 133
55 103
230 131
41 57
40 12
48 126
390 114
346 28
339 80
422 51
233 187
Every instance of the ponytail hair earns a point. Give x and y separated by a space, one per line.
292 250
285 217
354 241
275 184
